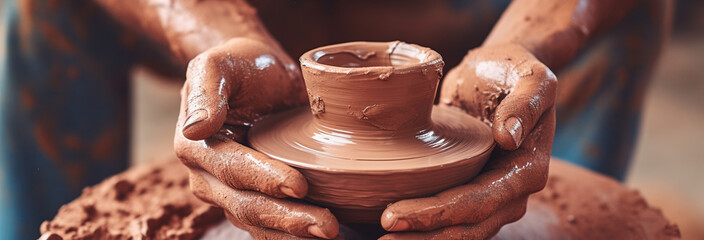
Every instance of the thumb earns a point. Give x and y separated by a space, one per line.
518 113
206 94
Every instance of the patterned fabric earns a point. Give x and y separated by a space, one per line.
63 109
600 96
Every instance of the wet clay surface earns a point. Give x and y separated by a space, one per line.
372 135
580 204
151 202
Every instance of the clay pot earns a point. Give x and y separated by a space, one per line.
372 135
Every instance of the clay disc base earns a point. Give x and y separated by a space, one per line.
357 175
292 137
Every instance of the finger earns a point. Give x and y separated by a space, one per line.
517 114
481 230
455 92
206 93
256 209
454 206
265 233
260 232
243 168
236 165
508 176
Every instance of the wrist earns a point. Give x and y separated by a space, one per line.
192 27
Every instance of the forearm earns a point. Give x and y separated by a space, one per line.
190 27
555 30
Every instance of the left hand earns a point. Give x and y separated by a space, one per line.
514 93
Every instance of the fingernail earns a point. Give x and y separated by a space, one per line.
289 192
317 231
195 117
514 127
399 225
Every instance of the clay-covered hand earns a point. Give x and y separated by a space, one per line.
227 88
513 92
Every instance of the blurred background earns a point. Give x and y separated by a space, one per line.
668 165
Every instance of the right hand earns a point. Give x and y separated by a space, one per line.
227 88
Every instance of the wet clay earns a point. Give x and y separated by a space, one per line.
372 135
580 204
152 202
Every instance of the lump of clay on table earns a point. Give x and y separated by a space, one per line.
151 202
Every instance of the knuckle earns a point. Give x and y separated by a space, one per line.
521 212
540 177
539 183
518 211
542 181
250 208
480 215
197 62
542 73
546 74
199 189
184 90
211 58
199 192
192 64
181 149
207 58
244 211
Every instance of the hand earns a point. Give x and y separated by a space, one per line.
514 93
228 88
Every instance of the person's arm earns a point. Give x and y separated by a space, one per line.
556 30
508 83
190 27
236 73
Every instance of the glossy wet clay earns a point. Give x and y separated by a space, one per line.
372 135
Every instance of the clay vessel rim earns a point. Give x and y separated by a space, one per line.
308 59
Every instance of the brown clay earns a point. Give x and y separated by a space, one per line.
576 204
372 136
579 204
152 202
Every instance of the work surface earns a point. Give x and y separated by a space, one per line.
575 204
